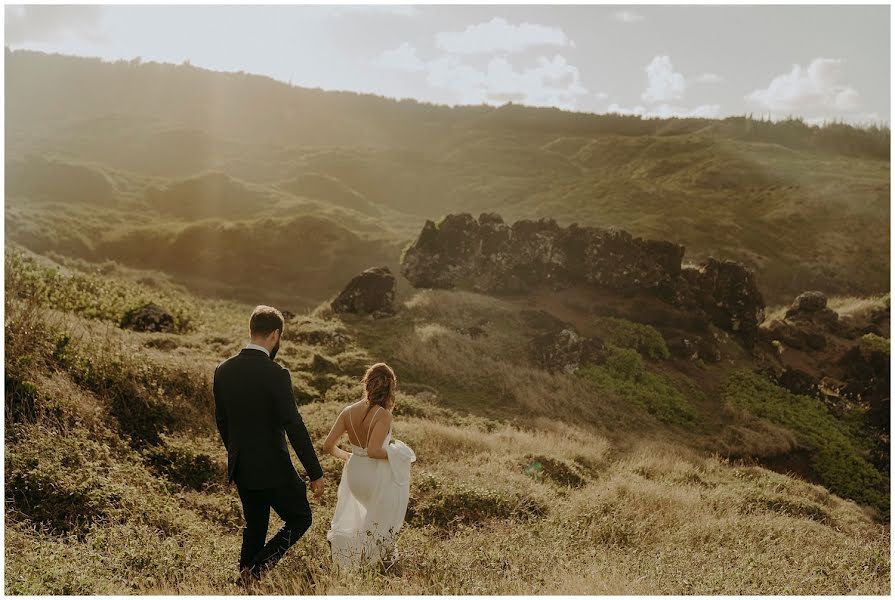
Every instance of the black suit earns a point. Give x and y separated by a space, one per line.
255 411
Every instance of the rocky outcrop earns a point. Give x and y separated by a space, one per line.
487 255
806 324
810 308
149 317
372 292
565 351
728 293
490 256
557 347
831 357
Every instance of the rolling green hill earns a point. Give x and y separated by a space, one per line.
806 207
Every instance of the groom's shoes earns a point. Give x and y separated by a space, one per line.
247 577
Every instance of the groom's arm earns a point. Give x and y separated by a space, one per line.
287 414
220 416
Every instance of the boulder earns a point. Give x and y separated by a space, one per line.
866 373
692 346
149 317
795 336
811 307
372 292
798 382
727 292
565 351
812 301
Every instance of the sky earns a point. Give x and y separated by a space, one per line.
818 62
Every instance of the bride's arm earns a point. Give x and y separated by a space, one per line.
329 445
377 436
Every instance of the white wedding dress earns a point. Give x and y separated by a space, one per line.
372 501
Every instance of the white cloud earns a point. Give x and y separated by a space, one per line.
665 111
665 83
466 83
626 16
41 22
550 82
497 35
709 78
402 58
601 95
816 87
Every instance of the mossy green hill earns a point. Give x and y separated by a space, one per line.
804 206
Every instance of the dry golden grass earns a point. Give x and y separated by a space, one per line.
525 483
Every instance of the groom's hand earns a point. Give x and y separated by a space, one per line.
317 488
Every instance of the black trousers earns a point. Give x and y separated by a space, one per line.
290 501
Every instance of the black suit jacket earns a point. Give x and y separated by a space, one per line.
254 407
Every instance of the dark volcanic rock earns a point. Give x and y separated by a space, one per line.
798 382
149 317
727 291
372 292
693 346
487 255
565 351
867 374
794 336
809 302
811 307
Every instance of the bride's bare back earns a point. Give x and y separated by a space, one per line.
366 427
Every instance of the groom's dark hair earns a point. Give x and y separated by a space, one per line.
265 320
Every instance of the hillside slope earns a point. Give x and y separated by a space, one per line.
527 481
805 207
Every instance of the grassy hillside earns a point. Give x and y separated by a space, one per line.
526 481
806 207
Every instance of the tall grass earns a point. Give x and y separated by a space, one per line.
513 502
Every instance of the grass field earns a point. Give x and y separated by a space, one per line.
525 483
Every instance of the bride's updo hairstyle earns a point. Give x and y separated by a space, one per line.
379 385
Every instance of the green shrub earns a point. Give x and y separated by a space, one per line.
65 483
870 342
146 398
181 463
91 294
840 453
627 334
624 374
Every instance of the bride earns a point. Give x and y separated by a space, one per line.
375 485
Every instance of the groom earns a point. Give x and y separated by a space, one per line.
254 407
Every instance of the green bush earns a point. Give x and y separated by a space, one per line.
840 453
65 483
870 342
628 334
624 374
91 294
146 398
180 463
